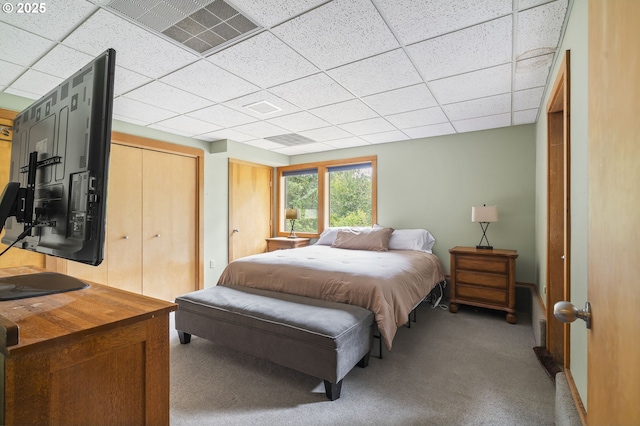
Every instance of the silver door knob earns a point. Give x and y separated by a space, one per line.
126 237
157 235
566 312
236 230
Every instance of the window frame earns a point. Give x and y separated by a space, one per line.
322 168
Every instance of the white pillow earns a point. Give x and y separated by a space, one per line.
412 239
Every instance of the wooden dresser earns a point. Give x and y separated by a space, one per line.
94 356
484 278
282 243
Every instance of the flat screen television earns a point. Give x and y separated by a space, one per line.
55 201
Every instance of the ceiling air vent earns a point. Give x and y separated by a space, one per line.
263 107
203 26
290 139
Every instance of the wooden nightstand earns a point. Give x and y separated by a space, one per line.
282 243
485 278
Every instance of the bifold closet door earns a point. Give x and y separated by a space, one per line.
168 224
122 264
124 219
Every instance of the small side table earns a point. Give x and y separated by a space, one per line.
283 243
485 278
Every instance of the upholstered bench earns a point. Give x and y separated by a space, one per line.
320 338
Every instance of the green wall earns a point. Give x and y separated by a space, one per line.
433 183
575 40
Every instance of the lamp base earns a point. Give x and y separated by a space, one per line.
484 247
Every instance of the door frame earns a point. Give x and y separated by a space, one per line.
558 242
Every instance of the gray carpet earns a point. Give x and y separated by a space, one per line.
469 368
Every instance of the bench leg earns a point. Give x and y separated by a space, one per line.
332 389
184 337
364 361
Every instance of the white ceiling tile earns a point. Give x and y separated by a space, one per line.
136 49
298 121
36 82
261 129
21 47
527 99
421 117
325 134
271 12
482 123
264 60
430 131
189 125
401 100
419 20
171 130
367 127
222 116
314 147
240 104
525 117
167 97
264 144
526 4
58 19
345 112
472 48
377 74
338 32
385 137
347 142
62 61
129 120
126 80
142 112
533 72
479 107
472 85
313 91
230 134
289 150
539 29
209 81
9 72
21 93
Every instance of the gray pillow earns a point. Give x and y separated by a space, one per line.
372 239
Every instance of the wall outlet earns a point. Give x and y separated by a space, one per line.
212 264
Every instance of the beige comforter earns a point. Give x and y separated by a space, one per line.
390 284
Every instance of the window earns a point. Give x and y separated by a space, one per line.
334 193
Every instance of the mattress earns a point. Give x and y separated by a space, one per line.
390 284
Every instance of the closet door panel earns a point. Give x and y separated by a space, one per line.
183 238
157 224
124 219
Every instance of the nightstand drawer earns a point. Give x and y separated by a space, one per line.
483 263
483 279
481 294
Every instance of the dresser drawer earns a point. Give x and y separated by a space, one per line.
481 294
482 279
483 263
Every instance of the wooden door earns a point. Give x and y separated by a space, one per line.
124 219
250 208
15 256
558 211
168 223
613 376
183 245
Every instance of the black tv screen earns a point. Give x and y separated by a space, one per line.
55 202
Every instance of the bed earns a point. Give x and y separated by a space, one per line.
386 271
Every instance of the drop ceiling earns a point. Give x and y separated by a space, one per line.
298 76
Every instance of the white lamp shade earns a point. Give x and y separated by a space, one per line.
484 214
292 214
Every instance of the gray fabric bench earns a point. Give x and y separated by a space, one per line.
320 338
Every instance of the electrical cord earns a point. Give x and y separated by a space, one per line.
21 236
